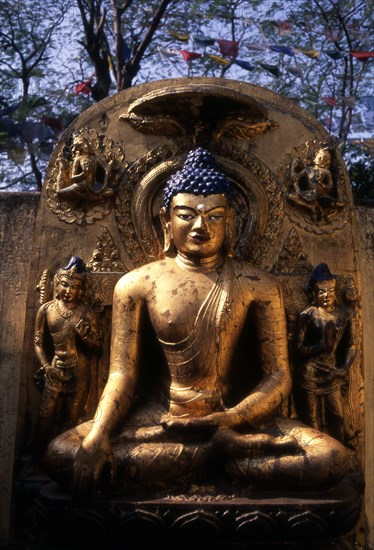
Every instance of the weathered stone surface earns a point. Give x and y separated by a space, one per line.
17 217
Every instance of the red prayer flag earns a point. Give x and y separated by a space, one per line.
190 56
285 28
230 48
83 88
362 56
329 101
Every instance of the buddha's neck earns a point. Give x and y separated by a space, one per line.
199 264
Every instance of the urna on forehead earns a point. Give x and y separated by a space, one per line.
199 176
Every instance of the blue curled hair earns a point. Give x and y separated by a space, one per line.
199 176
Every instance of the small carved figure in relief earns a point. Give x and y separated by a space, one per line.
325 351
66 336
218 328
313 186
87 176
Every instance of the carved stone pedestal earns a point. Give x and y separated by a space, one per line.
262 519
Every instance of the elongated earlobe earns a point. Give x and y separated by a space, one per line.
166 228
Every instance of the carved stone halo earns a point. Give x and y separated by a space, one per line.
257 201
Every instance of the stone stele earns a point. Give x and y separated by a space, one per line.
293 211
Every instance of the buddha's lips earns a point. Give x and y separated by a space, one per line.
200 238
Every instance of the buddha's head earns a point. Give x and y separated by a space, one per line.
196 215
323 285
70 280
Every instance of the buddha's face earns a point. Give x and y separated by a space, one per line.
198 224
69 289
325 294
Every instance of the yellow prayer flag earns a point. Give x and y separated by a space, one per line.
313 54
183 37
218 59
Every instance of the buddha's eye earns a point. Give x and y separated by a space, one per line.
215 217
185 217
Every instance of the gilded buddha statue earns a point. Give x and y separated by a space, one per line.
216 321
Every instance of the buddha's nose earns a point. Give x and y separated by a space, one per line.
200 223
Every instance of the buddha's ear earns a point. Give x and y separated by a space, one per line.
166 229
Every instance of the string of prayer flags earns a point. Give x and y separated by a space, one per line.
218 59
228 48
190 56
256 46
362 56
182 37
331 101
244 64
203 41
279 48
273 69
309 52
83 88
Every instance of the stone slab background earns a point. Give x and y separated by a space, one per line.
17 217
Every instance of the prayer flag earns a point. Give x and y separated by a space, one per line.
333 35
334 54
190 56
183 37
203 41
331 101
281 49
362 56
313 54
285 28
256 46
244 64
218 59
83 88
229 48
273 69
167 52
350 101
293 69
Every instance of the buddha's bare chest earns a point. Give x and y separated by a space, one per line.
173 309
